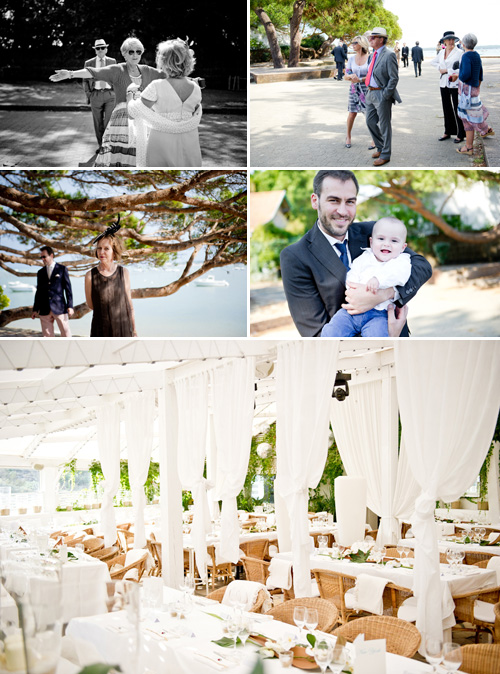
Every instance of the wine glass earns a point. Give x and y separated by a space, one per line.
323 653
452 657
460 556
433 651
339 658
311 619
322 542
299 617
246 626
233 629
400 548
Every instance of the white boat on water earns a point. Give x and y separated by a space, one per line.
18 287
210 280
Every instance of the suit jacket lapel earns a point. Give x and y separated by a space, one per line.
357 241
322 250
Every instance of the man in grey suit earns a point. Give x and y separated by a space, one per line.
381 80
100 94
314 268
417 56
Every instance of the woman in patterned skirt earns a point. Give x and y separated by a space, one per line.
356 71
118 143
470 109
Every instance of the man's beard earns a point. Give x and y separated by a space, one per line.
329 225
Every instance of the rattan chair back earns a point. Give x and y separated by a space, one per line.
402 638
481 659
328 614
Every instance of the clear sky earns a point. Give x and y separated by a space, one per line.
427 20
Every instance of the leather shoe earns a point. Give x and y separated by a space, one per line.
381 162
376 154
445 137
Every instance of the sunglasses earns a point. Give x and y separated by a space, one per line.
100 48
131 52
354 43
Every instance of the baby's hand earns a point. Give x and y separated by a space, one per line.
372 285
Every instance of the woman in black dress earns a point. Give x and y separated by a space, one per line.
107 290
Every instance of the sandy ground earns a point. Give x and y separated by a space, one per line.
444 307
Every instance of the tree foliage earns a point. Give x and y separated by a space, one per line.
163 214
48 32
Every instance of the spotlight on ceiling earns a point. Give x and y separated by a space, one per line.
341 386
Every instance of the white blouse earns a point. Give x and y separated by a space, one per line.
441 63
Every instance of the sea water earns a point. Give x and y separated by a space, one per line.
193 311
484 51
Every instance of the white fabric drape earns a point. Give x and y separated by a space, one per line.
493 485
192 406
108 441
369 449
449 397
233 401
305 376
139 419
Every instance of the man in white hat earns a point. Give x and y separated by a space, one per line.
381 81
100 94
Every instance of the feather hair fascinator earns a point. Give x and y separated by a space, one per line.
111 231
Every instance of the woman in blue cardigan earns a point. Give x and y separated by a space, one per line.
470 109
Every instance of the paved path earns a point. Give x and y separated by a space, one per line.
41 129
302 124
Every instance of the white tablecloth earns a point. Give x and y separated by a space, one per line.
443 545
83 584
471 578
107 638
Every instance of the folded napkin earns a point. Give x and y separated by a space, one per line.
367 595
280 574
494 565
244 591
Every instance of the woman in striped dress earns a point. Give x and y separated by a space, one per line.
470 108
118 143
356 71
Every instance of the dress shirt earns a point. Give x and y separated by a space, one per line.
50 269
99 84
373 82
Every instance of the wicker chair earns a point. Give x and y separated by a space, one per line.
480 659
402 638
332 586
155 549
118 574
71 541
393 552
218 595
258 571
105 554
474 557
256 548
328 614
496 631
124 526
93 544
476 608
224 570
125 539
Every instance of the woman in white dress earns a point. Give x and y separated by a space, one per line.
177 100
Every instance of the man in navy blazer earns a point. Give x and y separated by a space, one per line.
100 94
417 56
340 57
314 275
53 297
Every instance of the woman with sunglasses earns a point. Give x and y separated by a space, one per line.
118 147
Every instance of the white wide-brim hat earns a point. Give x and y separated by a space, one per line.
100 43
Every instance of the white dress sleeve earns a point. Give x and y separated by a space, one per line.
150 93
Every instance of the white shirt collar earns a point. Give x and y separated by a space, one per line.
332 240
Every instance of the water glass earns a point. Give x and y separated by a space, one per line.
322 542
323 653
286 658
80 548
311 618
339 658
299 617
433 651
452 657
400 549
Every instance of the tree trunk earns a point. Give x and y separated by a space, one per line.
326 48
295 34
272 38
